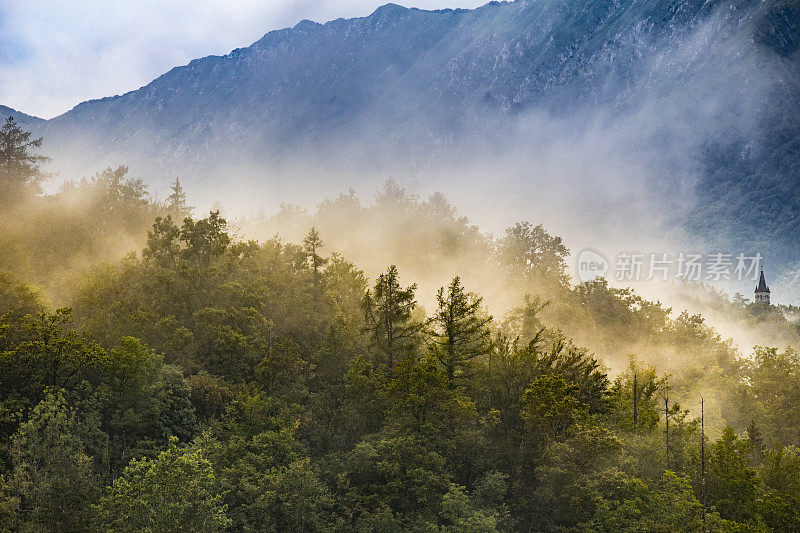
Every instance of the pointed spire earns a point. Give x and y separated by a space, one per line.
762 284
762 291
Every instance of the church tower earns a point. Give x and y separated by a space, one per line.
762 291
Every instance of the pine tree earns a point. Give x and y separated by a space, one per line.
311 245
460 332
19 168
176 201
388 309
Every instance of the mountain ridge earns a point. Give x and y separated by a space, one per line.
285 38
18 116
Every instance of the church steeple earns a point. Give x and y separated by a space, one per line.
762 291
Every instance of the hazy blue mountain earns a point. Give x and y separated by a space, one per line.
704 96
397 65
18 116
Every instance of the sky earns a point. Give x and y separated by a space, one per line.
55 54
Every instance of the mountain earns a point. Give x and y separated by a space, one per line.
386 72
18 116
691 104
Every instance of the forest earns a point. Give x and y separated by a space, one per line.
366 367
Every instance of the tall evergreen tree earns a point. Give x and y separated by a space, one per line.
388 309
460 330
176 201
312 243
19 167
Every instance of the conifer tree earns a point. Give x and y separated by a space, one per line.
388 309
460 330
312 243
19 167
176 201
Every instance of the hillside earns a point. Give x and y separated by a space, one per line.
205 383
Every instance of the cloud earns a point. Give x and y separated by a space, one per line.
57 53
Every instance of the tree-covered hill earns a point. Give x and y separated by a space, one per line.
213 384
205 382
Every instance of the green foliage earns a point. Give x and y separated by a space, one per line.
780 475
388 312
529 250
176 204
365 399
312 243
550 407
459 513
204 239
142 401
557 495
282 371
19 167
53 479
18 298
628 504
647 386
269 483
622 311
53 240
156 407
296 500
770 391
315 403
732 483
460 331
176 491
398 472
120 198
39 353
523 323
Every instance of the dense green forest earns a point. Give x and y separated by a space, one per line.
159 372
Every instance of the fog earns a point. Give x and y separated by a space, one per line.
616 173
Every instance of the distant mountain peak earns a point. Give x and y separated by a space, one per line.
390 9
306 24
18 116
